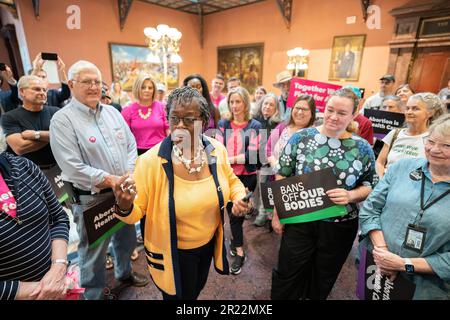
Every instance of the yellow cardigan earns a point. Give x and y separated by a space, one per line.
154 184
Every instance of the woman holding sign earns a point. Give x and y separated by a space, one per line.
421 110
183 184
407 218
312 253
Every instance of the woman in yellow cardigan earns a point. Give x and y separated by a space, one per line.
182 186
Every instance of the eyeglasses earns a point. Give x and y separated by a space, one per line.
444 147
89 83
299 109
188 121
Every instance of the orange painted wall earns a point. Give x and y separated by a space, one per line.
100 25
314 24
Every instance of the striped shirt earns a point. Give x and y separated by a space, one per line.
90 144
25 248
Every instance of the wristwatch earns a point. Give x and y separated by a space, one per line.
37 135
409 267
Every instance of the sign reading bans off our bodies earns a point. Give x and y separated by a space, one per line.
303 198
100 222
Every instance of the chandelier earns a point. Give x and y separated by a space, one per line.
164 45
297 59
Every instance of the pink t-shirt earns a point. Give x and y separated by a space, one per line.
7 202
147 132
217 101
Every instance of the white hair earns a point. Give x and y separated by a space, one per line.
2 141
82 65
24 82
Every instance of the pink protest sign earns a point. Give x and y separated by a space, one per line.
319 90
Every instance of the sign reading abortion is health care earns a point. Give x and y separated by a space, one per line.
318 90
63 191
383 121
374 286
303 198
100 221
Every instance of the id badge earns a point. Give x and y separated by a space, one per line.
415 238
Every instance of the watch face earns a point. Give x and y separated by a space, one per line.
409 268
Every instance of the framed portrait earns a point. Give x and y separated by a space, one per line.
244 62
128 61
346 57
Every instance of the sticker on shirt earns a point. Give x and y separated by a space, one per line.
120 135
92 139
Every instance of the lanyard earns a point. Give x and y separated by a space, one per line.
422 194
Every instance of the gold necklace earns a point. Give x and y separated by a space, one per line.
145 116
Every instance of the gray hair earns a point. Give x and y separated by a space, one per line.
2 141
137 86
276 117
245 98
442 126
432 102
82 65
185 96
24 82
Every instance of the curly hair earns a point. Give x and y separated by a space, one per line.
432 102
184 96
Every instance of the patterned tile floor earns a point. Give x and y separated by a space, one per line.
254 281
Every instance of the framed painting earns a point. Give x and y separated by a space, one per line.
244 62
346 57
128 61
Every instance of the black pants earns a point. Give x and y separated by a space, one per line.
142 223
310 259
236 223
194 266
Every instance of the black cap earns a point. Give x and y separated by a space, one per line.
388 77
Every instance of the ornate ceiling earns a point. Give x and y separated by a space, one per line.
206 6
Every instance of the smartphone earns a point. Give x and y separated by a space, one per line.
49 56
2 66
247 196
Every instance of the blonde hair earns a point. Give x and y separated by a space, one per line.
245 96
137 86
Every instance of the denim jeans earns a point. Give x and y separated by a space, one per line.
92 261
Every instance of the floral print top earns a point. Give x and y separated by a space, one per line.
352 159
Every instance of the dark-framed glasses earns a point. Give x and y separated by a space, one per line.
188 121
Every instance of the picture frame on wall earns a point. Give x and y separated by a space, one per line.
242 61
346 57
128 61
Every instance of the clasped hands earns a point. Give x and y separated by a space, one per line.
125 191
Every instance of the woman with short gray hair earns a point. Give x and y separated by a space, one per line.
421 110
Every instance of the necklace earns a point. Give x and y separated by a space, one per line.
200 154
146 115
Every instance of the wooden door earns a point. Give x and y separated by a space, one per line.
431 69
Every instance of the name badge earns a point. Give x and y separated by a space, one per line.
415 238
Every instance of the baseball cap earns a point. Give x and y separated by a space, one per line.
388 77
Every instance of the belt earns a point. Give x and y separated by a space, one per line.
89 193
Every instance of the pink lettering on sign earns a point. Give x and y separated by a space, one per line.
318 90
92 139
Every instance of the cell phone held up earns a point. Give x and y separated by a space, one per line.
247 196
2 66
49 56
